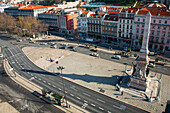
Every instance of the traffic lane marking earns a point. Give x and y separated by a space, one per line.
101 100
86 94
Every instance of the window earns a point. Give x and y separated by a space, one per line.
152 33
158 27
153 27
159 21
142 31
162 40
154 21
143 20
165 21
127 21
127 26
168 41
164 27
137 30
157 39
138 19
130 27
163 33
158 33
143 25
123 21
137 25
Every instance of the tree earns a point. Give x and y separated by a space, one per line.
21 25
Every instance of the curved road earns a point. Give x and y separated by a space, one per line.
79 95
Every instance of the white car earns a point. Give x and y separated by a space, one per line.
64 44
116 57
94 54
151 65
43 43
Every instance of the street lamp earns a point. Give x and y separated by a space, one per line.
61 68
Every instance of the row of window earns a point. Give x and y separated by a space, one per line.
125 35
94 29
125 31
110 24
153 21
109 28
94 21
110 33
159 27
126 21
123 26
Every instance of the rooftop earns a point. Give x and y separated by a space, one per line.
35 7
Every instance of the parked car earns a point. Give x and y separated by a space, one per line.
64 44
19 40
73 49
151 65
53 46
94 54
94 50
63 47
116 57
43 43
31 42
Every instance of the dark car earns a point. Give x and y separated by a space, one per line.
63 47
94 50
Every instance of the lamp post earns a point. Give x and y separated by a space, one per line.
61 68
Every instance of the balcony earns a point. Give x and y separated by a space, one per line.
94 23
110 26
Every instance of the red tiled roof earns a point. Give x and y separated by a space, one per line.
130 10
35 7
112 12
96 9
111 18
154 11
86 12
81 8
96 16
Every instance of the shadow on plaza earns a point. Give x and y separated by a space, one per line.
86 77
91 78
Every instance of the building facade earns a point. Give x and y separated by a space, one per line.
126 26
159 38
94 26
61 21
109 27
82 24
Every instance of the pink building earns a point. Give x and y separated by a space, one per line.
159 38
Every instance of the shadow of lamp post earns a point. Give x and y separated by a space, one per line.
61 68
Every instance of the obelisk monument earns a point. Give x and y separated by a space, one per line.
139 78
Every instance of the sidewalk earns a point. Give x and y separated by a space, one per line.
33 87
